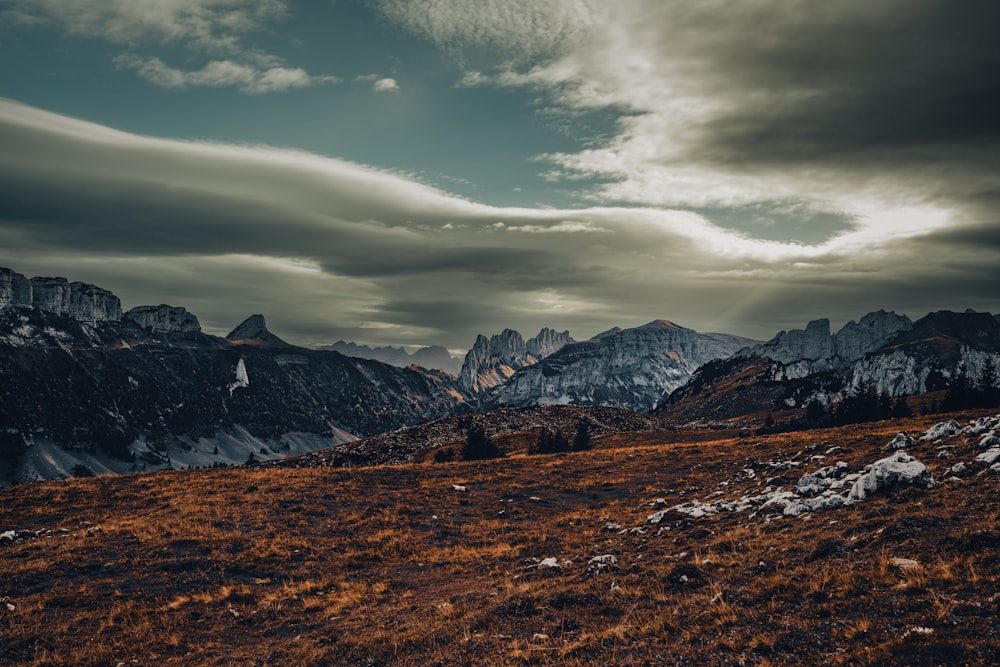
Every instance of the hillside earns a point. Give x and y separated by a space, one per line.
634 553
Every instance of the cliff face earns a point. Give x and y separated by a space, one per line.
491 361
815 350
632 368
81 301
15 289
164 319
930 353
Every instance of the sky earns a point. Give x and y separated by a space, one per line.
419 172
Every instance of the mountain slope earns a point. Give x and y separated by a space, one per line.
149 389
885 351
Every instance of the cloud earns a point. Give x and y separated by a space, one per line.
222 73
215 27
385 85
856 110
520 30
323 245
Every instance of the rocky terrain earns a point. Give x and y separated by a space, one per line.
631 368
415 442
83 302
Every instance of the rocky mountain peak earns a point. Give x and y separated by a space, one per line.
634 368
856 339
164 319
253 330
812 345
492 360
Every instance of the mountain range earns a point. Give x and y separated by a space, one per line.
88 387
433 356
885 353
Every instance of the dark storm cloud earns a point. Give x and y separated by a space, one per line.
889 83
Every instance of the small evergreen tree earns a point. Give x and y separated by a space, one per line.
815 411
901 408
478 446
581 441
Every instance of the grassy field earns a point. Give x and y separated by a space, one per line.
395 565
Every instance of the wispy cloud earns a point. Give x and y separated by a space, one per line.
520 30
218 28
222 73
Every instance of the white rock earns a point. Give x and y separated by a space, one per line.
989 440
982 425
901 441
900 468
547 563
601 562
941 430
829 500
958 467
989 456
458 487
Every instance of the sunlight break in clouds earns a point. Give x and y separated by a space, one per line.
746 103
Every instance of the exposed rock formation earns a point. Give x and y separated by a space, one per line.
815 350
634 368
491 361
164 319
253 331
86 303
15 289
871 332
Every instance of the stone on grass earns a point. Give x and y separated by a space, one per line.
901 441
895 470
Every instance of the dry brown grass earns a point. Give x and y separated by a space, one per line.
390 565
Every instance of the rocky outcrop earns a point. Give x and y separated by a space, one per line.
491 361
253 331
931 353
814 345
871 332
81 301
164 319
815 350
633 368
15 289
51 294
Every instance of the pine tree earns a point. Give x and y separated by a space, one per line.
581 441
478 446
